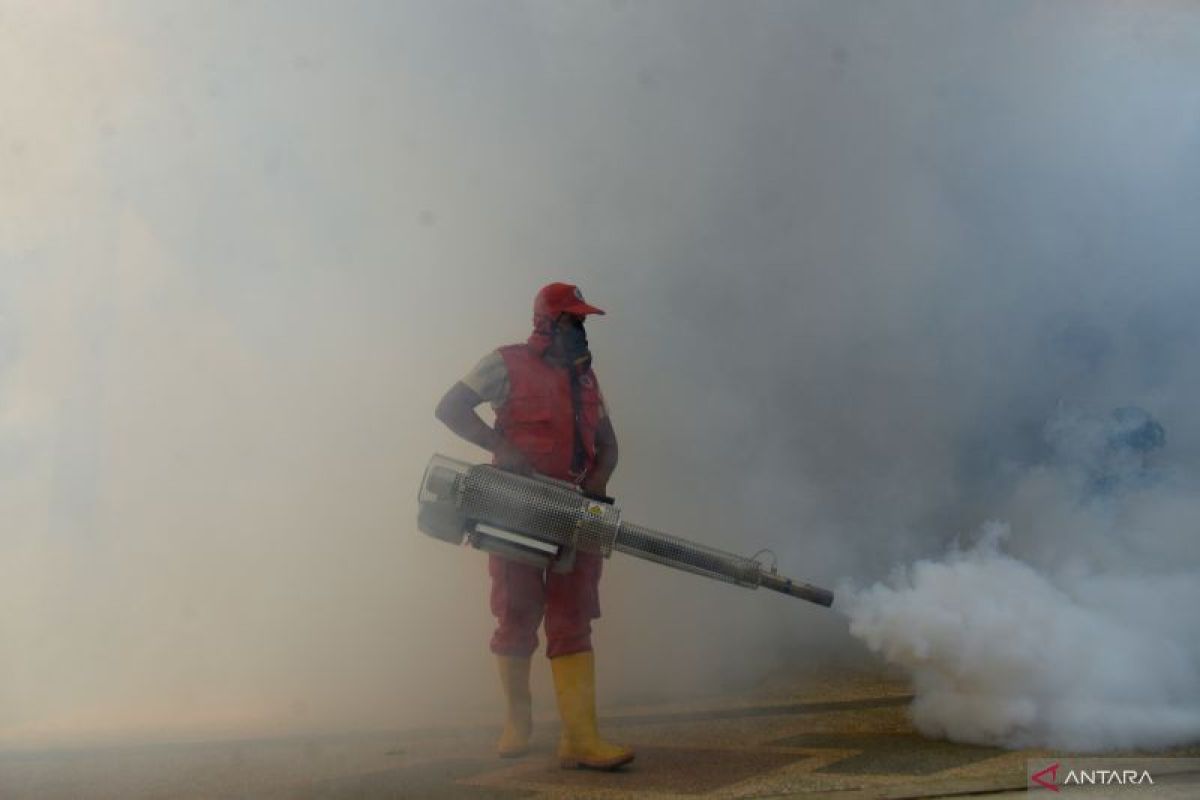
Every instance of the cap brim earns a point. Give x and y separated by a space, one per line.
581 309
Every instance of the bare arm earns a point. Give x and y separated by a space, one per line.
606 458
456 410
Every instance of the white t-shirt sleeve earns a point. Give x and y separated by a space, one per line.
489 379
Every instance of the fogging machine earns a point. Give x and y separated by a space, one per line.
542 521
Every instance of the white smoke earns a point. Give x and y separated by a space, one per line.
1086 641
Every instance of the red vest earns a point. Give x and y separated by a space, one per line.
538 417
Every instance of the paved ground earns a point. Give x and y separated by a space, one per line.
843 737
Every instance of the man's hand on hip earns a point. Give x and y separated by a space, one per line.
595 486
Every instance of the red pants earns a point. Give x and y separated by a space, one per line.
521 594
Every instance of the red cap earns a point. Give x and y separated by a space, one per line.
561 298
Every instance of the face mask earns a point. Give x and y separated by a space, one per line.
574 341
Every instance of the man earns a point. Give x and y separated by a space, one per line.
550 419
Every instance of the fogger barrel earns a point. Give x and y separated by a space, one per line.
542 521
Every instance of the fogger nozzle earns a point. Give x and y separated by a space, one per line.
543 521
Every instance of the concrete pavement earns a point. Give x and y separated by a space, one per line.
840 736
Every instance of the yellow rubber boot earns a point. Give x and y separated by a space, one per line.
580 744
514 677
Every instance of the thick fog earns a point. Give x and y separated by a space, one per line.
876 274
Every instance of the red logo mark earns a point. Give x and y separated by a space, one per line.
1039 777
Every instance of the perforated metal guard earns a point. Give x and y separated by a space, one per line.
539 508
